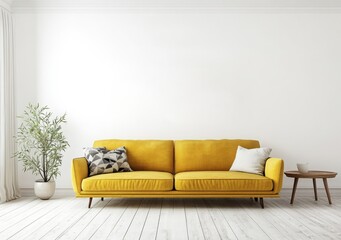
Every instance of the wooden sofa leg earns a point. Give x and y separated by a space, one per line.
256 199
102 199
90 201
261 202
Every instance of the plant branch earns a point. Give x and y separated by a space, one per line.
41 141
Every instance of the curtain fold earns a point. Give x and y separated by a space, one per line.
9 189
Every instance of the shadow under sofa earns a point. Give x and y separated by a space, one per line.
178 169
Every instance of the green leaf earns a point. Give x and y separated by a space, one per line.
41 141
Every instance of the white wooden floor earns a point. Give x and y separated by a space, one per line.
69 218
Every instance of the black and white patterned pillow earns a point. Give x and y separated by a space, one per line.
101 160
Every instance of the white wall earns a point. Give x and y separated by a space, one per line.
272 77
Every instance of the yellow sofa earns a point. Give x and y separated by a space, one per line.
178 169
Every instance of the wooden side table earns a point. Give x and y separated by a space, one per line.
313 175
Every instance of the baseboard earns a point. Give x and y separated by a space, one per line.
66 192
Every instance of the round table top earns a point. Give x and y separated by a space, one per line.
310 174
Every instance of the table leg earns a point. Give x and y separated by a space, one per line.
315 192
294 191
327 190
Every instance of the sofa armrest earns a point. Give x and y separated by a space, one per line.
274 168
79 171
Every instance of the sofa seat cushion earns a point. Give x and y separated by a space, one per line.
129 181
221 181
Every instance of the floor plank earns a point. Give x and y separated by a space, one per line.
16 219
224 229
242 224
265 220
146 219
116 208
194 229
207 224
64 218
120 229
35 220
74 230
172 224
98 221
15 211
135 229
8 207
151 224
287 227
309 217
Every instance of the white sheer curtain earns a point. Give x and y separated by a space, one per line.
9 189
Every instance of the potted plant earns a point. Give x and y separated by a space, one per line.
40 143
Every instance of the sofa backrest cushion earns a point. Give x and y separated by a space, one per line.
208 155
144 155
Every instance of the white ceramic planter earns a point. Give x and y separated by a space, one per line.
44 190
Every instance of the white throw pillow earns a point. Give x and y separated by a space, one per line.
250 160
